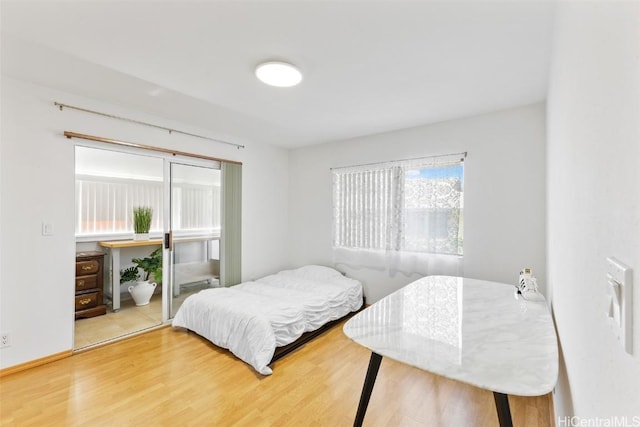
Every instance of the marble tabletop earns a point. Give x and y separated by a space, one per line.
474 331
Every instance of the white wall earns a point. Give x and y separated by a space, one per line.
504 192
37 185
594 200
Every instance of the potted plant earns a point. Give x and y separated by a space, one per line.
142 291
142 222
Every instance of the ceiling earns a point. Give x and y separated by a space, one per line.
368 66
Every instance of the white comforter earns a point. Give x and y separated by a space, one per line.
253 318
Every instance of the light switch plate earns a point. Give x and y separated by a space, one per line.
47 229
620 301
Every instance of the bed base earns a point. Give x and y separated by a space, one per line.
308 336
281 352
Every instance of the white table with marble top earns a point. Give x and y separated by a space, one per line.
474 331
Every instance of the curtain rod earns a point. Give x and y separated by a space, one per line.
70 135
61 106
463 155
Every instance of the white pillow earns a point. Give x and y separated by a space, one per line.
317 272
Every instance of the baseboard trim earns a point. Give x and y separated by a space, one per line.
121 338
64 354
33 363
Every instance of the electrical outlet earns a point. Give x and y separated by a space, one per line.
5 339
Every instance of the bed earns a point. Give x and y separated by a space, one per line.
260 321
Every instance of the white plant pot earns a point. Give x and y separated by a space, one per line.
140 236
142 291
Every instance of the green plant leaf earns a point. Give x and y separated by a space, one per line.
151 265
142 216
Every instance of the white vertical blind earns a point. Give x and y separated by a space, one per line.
196 207
365 215
104 205
109 184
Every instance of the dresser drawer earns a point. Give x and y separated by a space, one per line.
90 266
89 279
86 282
88 300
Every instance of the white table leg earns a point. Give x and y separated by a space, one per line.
115 278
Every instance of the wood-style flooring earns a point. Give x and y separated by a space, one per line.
168 377
130 319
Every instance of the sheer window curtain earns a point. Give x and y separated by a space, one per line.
404 216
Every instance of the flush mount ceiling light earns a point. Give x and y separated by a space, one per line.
280 74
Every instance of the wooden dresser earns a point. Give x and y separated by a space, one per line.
89 279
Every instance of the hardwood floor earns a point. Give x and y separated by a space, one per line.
129 320
170 377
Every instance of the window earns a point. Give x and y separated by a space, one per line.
195 200
109 184
413 207
433 201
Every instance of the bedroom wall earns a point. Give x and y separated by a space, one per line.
594 202
504 192
37 185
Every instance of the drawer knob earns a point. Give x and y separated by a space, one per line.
87 267
84 301
80 282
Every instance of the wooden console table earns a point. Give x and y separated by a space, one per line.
114 263
468 330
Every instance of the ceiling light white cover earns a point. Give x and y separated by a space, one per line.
277 73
